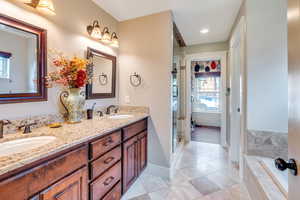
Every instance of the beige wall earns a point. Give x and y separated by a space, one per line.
66 33
209 47
146 47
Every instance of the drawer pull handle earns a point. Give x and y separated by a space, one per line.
108 180
108 160
109 141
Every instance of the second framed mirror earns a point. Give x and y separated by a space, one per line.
103 75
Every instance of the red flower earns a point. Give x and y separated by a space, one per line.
81 74
81 78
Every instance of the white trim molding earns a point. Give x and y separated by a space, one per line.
221 55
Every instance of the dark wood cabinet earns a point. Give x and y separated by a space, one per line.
98 169
142 151
115 193
130 154
73 187
134 153
103 184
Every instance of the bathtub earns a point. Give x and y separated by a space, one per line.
263 180
280 178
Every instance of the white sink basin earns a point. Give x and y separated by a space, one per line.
20 145
120 116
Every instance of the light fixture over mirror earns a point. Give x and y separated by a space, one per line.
44 6
94 30
104 36
114 40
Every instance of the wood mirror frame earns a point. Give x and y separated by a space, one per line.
89 87
41 94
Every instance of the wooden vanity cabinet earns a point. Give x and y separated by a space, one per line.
102 168
142 151
73 187
134 153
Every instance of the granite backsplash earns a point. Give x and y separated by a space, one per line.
267 144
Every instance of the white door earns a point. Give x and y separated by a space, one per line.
235 100
294 93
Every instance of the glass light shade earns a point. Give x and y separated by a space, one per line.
26 1
46 6
114 40
96 32
106 36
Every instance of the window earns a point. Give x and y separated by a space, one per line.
4 68
206 96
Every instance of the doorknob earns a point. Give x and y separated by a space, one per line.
238 110
283 165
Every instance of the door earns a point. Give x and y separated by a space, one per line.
294 92
235 95
130 153
142 151
73 187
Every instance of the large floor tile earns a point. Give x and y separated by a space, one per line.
222 180
142 197
137 189
187 192
152 183
205 186
202 173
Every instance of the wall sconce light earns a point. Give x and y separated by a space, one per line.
94 30
44 6
114 40
106 38
26 1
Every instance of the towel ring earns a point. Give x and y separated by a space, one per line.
104 80
138 79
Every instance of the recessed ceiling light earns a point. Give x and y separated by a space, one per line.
204 31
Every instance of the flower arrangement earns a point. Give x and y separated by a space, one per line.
70 73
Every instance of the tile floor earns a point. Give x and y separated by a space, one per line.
206 134
202 173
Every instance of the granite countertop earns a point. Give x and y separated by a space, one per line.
66 136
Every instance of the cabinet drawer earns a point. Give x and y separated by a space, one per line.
115 193
105 162
104 144
104 183
30 182
134 129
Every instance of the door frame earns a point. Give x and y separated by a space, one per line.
239 33
220 55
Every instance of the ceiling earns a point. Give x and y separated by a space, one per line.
190 16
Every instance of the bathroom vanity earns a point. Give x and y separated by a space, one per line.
92 166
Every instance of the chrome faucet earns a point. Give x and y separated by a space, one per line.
2 124
109 109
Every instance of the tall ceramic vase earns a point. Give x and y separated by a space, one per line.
73 101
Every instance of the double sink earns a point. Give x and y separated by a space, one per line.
20 145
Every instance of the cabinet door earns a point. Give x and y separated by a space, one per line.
73 187
142 151
130 152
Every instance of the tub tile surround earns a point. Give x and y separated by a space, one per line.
267 144
67 136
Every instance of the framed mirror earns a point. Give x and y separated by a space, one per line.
23 61
103 75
